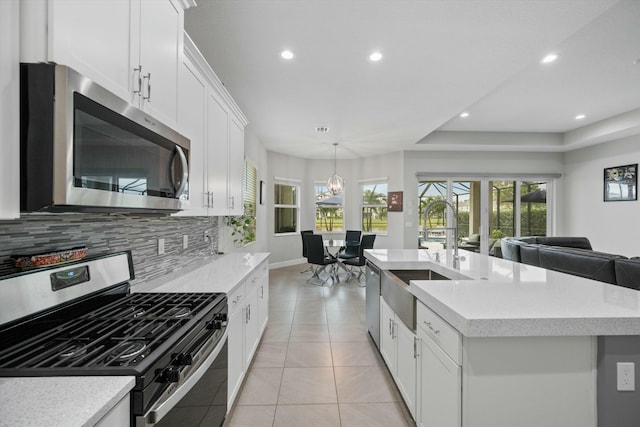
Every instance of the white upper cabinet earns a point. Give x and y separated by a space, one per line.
192 119
159 28
9 110
131 47
217 165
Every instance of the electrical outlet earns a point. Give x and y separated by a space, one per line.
160 246
185 241
626 376
207 235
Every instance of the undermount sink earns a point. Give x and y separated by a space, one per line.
407 275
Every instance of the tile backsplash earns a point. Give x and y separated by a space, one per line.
104 233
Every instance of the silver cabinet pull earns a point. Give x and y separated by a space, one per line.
415 347
435 331
138 70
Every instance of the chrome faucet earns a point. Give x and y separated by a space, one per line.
456 257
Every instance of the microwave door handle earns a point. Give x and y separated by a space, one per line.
185 172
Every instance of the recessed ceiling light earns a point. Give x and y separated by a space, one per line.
286 54
375 57
549 58
580 116
464 114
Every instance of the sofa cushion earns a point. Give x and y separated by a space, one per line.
628 272
579 262
529 254
510 247
571 242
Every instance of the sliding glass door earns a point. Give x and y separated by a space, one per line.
482 210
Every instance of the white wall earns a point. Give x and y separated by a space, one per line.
610 226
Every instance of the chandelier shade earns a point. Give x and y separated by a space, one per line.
335 184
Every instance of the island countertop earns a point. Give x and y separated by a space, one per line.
491 297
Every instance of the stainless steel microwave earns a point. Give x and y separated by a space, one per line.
82 148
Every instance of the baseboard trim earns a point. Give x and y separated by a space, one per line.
287 263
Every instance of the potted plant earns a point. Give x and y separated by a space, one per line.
242 229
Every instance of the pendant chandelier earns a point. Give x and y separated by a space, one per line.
335 184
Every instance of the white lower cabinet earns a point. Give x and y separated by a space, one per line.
440 391
248 315
503 381
399 351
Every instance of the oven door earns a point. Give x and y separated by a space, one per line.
201 396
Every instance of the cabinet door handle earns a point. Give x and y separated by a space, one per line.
232 201
148 79
435 331
262 291
415 347
390 333
138 70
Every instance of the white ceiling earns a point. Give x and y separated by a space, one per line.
441 57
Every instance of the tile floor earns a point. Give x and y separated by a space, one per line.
316 365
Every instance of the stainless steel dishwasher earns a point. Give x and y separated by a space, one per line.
373 302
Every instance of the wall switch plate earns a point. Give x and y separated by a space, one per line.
626 376
160 246
185 241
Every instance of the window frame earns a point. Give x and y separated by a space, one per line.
323 184
292 183
369 182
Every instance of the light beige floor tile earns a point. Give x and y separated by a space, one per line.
364 384
309 317
354 354
261 387
277 332
373 415
308 354
252 416
270 355
281 316
307 386
309 333
307 415
343 317
348 332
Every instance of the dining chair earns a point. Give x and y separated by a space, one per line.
316 256
351 244
360 260
304 248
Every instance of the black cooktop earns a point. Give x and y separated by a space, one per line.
115 335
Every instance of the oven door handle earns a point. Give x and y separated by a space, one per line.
162 407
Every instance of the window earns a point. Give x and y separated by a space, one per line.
249 201
374 207
329 210
485 210
286 204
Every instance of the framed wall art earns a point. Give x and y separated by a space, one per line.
621 183
395 201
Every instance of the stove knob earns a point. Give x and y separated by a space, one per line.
171 375
221 316
184 359
214 324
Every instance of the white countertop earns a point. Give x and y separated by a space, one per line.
59 401
221 275
496 297
83 401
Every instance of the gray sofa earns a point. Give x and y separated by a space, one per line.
573 255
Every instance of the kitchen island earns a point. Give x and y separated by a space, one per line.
502 343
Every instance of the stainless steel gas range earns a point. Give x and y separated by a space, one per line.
81 319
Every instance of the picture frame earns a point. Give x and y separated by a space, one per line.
620 183
263 194
394 201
